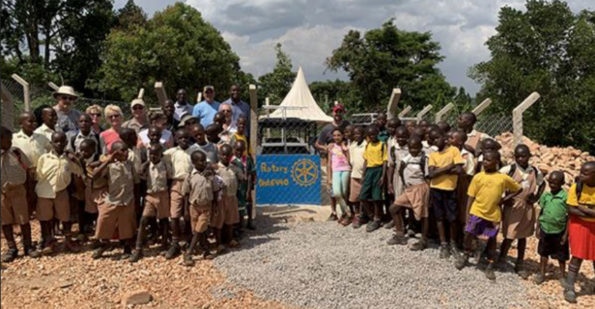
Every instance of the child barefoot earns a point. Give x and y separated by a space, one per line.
519 216
116 211
16 168
412 172
199 189
157 173
581 226
552 226
339 171
485 197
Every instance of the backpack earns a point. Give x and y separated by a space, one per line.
513 169
422 165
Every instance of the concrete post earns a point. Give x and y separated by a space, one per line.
160 92
253 132
405 111
7 109
392 109
482 106
141 93
26 95
423 112
441 113
517 117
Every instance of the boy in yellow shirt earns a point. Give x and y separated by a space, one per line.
581 226
444 167
376 157
484 202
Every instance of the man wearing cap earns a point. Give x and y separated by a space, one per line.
67 117
139 116
206 110
182 107
238 107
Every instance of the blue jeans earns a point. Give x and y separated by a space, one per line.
340 186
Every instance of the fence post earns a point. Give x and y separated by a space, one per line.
267 103
160 92
26 96
53 86
517 117
391 110
441 113
141 93
424 111
199 97
7 107
253 132
481 107
405 111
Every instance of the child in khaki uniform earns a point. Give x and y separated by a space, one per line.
200 191
94 190
116 211
54 173
156 172
231 215
15 167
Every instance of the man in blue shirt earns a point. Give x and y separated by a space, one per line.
182 106
238 107
205 111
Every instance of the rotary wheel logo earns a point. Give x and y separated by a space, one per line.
304 172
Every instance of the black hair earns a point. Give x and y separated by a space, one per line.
402 129
522 147
337 129
156 147
470 115
495 153
195 155
5 132
90 142
559 174
414 140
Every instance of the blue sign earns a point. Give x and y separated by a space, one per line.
288 179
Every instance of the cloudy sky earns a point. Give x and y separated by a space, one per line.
309 30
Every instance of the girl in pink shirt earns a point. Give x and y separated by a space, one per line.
338 171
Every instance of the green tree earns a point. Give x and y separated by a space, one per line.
131 15
547 49
176 46
329 91
386 58
277 83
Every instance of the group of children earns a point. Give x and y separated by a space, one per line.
453 184
188 193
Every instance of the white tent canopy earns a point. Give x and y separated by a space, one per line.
299 103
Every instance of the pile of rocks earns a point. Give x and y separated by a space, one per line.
547 159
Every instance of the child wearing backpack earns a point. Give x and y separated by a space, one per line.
519 215
581 226
413 171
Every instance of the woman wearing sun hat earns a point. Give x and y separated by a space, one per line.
139 119
67 117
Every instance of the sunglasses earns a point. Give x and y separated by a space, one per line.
138 107
113 116
68 98
95 114
226 111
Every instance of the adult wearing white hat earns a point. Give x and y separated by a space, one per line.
205 111
68 117
139 119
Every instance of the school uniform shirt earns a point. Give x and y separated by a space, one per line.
32 146
376 154
230 180
134 156
469 165
425 146
157 177
45 131
121 177
54 174
439 159
180 162
487 189
587 198
199 188
14 167
135 125
79 137
554 214
356 158
475 137
166 138
525 173
413 174
397 153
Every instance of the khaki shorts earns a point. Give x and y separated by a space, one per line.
157 205
112 218
200 216
217 214
177 199
416 197
15 209
231 213
93 197
58 207
355 187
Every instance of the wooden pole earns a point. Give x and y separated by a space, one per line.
199 97
26 95
160 92
141 93
253 133
441 113
517 117
7 111
392 109
423 112
405 111
482 106
267 103
53 86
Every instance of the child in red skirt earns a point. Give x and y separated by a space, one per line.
581 226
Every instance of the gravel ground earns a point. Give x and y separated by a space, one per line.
322 265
